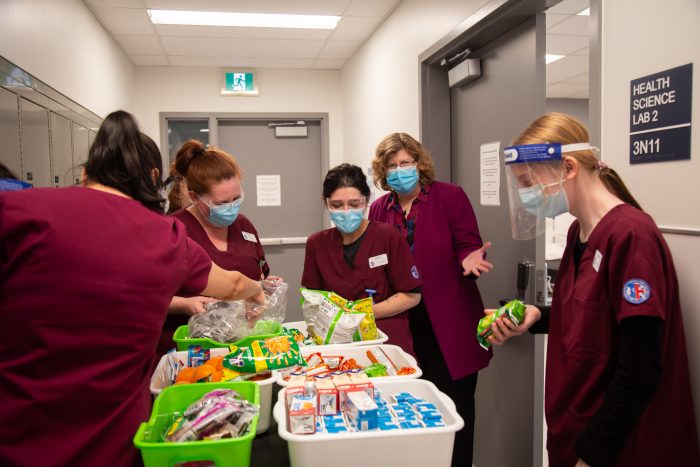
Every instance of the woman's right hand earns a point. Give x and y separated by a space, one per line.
503 328
190 306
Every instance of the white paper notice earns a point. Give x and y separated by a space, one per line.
269 190
490 174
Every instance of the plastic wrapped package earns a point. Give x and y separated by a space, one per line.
329 319
230 321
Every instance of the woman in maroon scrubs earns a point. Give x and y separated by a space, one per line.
358 255
213 179
86 276
438 222
617 388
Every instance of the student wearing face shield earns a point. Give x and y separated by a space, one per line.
212 219
358 255
617 389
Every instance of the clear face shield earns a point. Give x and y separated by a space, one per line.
535 176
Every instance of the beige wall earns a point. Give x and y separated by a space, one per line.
183 89
381 81
641 37
61 43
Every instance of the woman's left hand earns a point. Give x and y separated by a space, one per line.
475 262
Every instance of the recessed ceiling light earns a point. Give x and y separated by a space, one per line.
249 20
551 58
586 12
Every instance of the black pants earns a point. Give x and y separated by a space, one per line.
461 391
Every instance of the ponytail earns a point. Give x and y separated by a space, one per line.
123 158
614 184
201 166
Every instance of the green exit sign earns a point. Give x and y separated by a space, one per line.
239 83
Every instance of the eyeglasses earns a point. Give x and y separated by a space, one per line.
401 165
338 205
235 202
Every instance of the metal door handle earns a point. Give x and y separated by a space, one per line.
283 241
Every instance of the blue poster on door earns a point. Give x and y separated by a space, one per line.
660 116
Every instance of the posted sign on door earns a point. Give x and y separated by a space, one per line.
660 116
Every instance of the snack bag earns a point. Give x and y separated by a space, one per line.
329 322
269 354
368 326
513 310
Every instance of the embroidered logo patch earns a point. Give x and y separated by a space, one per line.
636 291
414 272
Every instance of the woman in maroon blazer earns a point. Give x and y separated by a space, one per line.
438 222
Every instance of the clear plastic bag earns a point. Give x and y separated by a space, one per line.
229 321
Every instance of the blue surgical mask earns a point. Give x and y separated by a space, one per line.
347 221
536 202
223 215
402 180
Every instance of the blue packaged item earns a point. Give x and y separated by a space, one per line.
196 355
433 423
336 429
402 396
430 415
409 424
387 425
406 416
361 411
423 406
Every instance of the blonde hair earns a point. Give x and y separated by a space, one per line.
392 144
565 129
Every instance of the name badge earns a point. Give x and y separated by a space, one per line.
250 237
376 261
597 258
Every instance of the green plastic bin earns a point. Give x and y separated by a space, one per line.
234 452
263 330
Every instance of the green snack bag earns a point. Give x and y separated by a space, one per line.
274 353
513 310
375 369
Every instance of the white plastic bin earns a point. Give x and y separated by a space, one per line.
417 447
159 378
395 353
301 326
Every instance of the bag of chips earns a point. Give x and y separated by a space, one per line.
328 319
513 310
266 354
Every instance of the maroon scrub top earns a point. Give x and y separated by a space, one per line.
626 270
325 268
244 254
86 278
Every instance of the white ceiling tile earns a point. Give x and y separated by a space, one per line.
553 20
578 79
570 7
118 3
566 68
227 62
574 25
379 8
355 28
149 60
565 90
139 45
340 50
125 20
565 45
249 33
328 64
226 47
298 7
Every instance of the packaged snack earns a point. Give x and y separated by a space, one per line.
314 359
296 334
333 361
327 396
269 354
368 326
302 415
513 310
361 382
375 369
319 370
349 364
361 411
377 355
196 355
328 320
406 370
344 385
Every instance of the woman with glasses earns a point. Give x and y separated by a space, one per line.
438 223
213 178
357 256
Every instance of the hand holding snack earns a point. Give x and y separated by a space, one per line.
499 326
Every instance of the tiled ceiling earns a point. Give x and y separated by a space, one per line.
147 44
568 35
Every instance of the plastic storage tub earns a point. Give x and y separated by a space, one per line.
224 452
417 447
301 326
183 341
394 352
158 383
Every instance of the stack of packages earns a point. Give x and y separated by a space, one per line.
331 319
348 401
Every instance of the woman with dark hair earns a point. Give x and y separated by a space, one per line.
617 388
86 276
9 181
358 255
212 219
437 220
